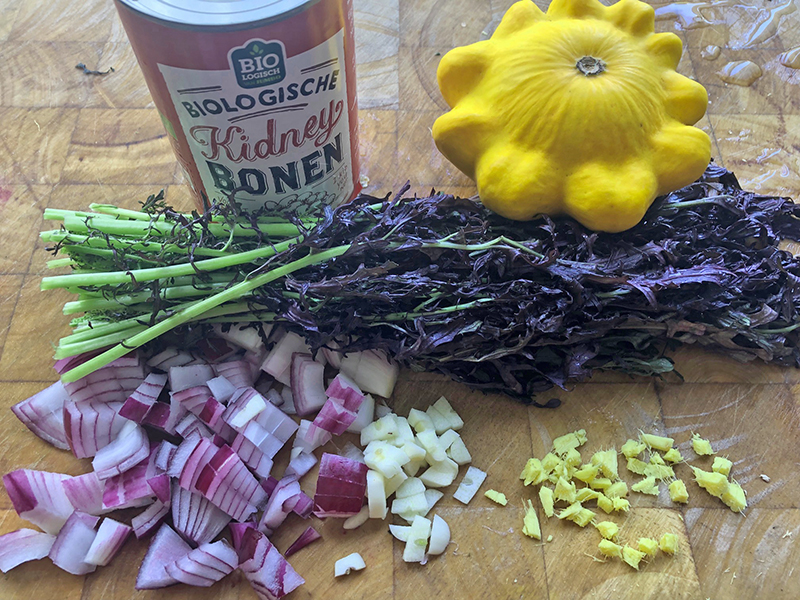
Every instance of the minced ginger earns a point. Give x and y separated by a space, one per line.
701 446
530 522
716 484
496 496
678 492
722 465
656 441
649 485
673 455
632 448
608 529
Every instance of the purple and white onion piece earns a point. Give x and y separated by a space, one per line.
308 536
128 489
43 414
269 573
278 423
195 517
300 464
139 403
215 350
333 418
276 510
252 456
164 455
345 390
205 565
308 440
129 449
23 545
91 426
193 398
239 373
151 517
278 362
166 547
274 397
244 335
307 378
39 498
221 388
85 493
73 543
110 537
183 378
170 357
191 424
288 401
365 416
161 485
341 486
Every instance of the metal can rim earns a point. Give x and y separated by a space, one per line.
211 15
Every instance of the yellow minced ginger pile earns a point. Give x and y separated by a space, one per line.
570 485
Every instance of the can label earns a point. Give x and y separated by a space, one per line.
265 114
273 129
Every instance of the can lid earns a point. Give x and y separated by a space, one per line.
217 13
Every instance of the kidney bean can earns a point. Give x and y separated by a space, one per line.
258 97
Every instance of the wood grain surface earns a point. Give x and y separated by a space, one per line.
68 139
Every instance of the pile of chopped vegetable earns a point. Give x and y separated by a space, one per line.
441 284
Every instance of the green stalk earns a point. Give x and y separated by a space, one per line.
170 293
199 309
110 209
57 263
142 275
58 235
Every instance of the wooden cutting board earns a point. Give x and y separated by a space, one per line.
68 139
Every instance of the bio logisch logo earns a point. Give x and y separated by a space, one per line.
258 63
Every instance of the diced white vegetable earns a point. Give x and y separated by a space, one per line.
353 452
430 441
459 453
412 467
444 408
372 371
410 487
410 505
278 362
221 388
404 433
440 474
391 484
447 438
400 532
417 540
376 495
381 410
357 520
385 458
366 413
440 422
244 335
440 536
351 562
384 429
420 421
473 479
432 497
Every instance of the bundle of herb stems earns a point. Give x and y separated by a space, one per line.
442 284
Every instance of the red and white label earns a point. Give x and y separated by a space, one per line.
273 129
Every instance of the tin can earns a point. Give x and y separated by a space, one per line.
258 97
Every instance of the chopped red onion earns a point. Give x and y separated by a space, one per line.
129 449
276 422
341 486
353 452
113 383
215 350
183 378
288 401
308 536
85 493
195 517
211 413
170 357
366 414
193 398
205 565
273 396
73 543
221 388
43 414
143 398
344 389
307 383
238 372
262 439
301 505
244 335
166 547
269 573
308 439
333 418
301 464
110 537
161 486
164 455
129 489
275 512
279 360
91 426
151 517
191 424
39 498
244 406
23 545
252 456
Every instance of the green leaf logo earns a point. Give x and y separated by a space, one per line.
256 49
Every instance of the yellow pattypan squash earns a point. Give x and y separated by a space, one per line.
578 110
